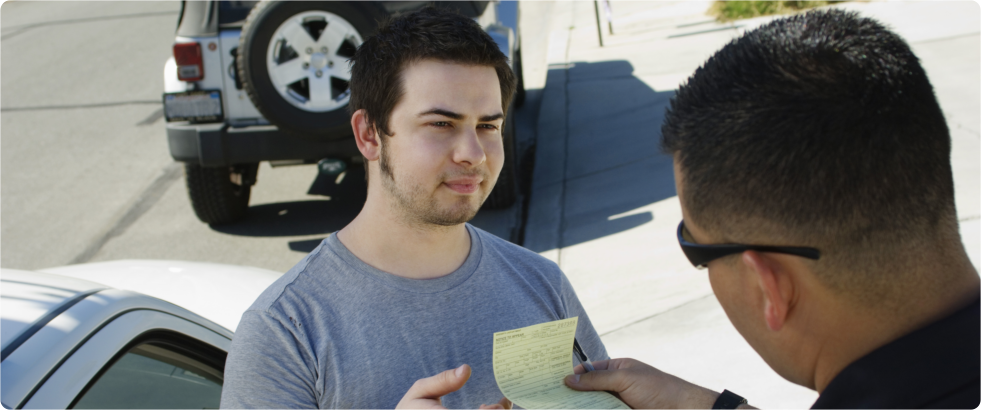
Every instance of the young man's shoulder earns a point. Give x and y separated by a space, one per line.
513 253
297 283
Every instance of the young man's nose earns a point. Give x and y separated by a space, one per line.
469 149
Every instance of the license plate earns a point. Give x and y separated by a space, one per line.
194 106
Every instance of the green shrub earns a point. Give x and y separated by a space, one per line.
734 10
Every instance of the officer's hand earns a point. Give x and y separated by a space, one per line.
642 386
426 393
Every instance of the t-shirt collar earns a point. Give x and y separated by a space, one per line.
440 284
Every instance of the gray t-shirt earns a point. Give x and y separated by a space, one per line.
334 332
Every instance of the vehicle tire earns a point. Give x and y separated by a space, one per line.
505 192
283 47
519 93
215 198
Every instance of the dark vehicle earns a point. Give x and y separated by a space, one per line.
268 81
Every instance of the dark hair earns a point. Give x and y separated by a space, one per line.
429 33
818 130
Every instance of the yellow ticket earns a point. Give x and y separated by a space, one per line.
530 364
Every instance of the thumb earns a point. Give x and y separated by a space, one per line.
441 384
597 380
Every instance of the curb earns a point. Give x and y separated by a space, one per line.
543 232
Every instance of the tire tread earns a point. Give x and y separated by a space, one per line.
214 198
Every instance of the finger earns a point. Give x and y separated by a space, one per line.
439 385
598 380
491 406
618 364
602 364
609 364
505 403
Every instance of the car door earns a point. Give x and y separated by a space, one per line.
144 358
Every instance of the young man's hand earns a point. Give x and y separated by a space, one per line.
427 393
641 386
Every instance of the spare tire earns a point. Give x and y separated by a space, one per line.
293 62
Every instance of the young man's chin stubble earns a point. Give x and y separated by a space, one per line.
417 211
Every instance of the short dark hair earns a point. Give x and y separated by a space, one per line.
428 33
819 130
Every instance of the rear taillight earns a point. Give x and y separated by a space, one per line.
189 64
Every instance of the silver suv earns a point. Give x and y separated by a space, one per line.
268 81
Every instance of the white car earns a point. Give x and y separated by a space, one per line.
122 334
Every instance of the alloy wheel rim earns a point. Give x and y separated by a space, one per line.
307 60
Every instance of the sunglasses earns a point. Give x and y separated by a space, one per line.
701 255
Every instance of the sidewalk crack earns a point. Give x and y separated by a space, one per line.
565 153
700 298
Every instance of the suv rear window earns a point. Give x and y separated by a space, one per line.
233 13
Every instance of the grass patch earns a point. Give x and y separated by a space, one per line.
735 10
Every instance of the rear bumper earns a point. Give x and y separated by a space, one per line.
213 145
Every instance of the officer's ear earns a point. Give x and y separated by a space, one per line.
776 285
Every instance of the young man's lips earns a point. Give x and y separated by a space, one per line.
463 185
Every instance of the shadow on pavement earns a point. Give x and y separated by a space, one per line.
307 217
598 146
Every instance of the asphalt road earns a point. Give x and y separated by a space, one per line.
86 172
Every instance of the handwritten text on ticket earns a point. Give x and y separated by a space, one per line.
530 364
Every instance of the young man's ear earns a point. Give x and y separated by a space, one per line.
776 285
365 136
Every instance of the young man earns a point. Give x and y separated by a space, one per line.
408 288
820 133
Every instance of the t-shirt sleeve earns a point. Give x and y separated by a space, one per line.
588 339
269 366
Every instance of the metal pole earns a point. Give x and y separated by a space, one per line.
609 14
599 28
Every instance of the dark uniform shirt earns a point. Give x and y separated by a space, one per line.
938 366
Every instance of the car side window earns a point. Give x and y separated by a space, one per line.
234 13
158 374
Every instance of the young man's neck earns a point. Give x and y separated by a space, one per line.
388 243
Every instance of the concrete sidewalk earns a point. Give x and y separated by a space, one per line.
603 203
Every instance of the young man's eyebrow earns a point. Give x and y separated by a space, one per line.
440 111
458 116
488 118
